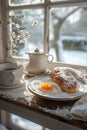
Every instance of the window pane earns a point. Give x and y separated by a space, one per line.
25 124
26 1
27 31
68 34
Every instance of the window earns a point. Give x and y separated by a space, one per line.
68 35
27 31
54 26
18 123
58 27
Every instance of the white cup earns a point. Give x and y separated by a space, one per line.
10 74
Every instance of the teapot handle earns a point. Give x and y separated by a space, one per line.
49 55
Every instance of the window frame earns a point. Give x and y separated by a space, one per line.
46 6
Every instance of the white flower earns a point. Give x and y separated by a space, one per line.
35 23
17 25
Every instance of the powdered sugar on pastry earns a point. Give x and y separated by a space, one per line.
69 80
66 81
77 74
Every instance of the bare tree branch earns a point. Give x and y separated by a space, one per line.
65 17
55 16
73 11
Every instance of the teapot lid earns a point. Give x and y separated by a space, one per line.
37 52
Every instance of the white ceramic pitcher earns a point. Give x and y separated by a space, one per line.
38 62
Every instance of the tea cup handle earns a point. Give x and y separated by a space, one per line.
12 76
49 55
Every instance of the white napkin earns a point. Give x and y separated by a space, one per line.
79 110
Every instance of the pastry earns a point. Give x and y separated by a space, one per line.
65 80
75 73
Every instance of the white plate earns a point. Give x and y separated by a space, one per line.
58 95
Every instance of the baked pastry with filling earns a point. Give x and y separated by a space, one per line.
65 80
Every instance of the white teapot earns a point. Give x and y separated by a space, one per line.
38 62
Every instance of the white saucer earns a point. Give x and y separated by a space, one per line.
31 74
12 86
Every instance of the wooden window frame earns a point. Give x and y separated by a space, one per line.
46 6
